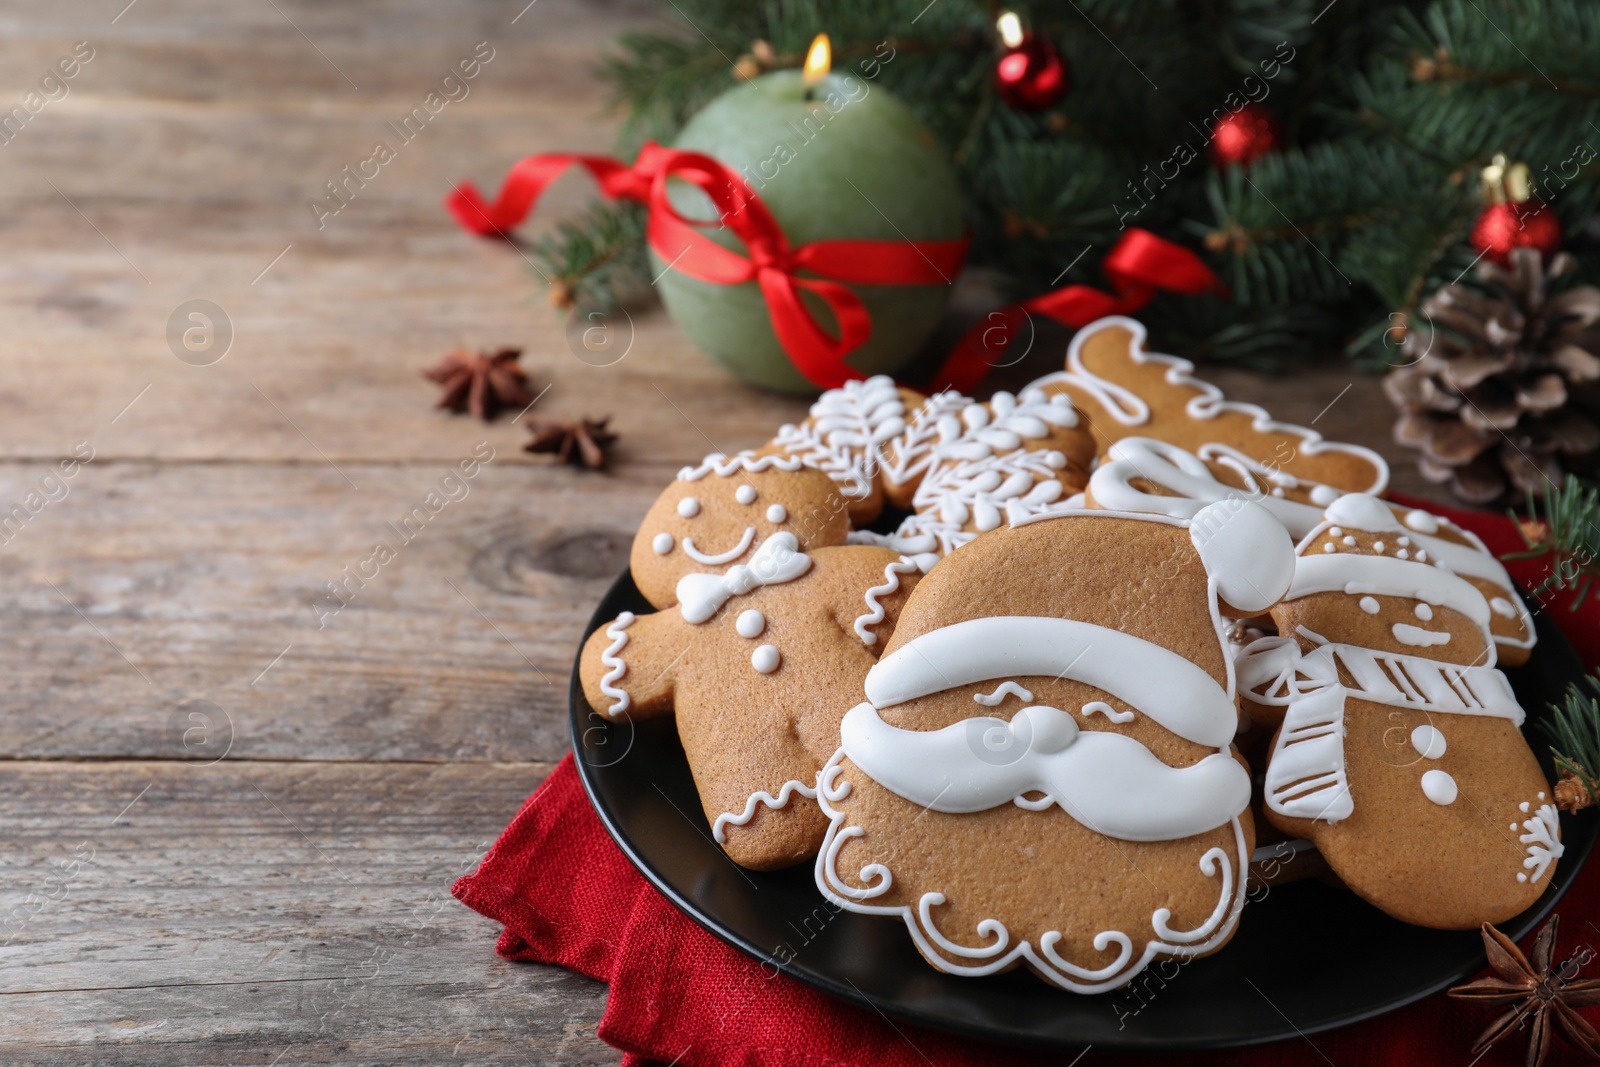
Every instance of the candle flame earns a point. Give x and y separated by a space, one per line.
818 59
1010 28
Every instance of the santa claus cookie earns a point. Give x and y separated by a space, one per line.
1120 390
878 440
1041 771
766 625
1142 474
1400 754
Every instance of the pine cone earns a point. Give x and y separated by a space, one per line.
1501 384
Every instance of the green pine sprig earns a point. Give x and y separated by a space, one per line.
1564 525
1574 733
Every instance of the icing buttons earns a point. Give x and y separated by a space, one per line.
688 507
662 543
745 494
1370 605
766 659
777 513
1323 495
1428 741
1424 612
1439 787
750 623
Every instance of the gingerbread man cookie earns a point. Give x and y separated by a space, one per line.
1041 771
1399 754
1142 474
767 623
1122 390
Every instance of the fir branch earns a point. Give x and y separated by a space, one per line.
1574 733
594 261
1565 526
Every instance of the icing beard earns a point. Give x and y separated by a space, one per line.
1109 782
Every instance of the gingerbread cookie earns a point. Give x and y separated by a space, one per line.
1041 772
1141 474
1400 754
878 441
767 623
1121 390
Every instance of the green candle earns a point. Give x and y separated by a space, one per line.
835 160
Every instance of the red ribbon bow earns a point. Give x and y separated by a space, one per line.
769 261
1140 264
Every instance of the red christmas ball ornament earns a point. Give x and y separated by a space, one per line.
1244 137
1031 74
1507 225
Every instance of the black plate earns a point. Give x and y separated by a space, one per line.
1301 944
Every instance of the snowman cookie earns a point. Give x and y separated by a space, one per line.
1121 390
1142 474
1400 754
1040 773
767 623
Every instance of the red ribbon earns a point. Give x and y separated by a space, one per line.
1139 265
769 261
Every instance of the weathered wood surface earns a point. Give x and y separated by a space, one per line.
291 901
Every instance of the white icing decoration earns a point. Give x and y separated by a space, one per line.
662 543
848 429
688 507
1428 741
875 610
1246 551
1336 531
1402 541
997 956
1349 540
777 513
778 560
750 623
721 557
1439 787
766 659
1362 511
786 793
1102 708
1126 407
1370 605
1499 605
745 494
1386 576
1377 546
994 699
1424 612
1402 554
612 658
723 465
1109 782
986 492
1274 672
1186 474
1305 775
1543 841
1408 634
1329 547
1170 689
1422 521
1323 495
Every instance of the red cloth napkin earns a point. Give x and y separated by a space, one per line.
566 895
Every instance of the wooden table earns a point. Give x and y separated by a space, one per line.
231 817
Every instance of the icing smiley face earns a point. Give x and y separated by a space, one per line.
718 514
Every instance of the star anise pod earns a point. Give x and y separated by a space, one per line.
484 384
582 443
1539 997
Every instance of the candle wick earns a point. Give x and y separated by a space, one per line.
810 94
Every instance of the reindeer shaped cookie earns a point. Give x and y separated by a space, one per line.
767 623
